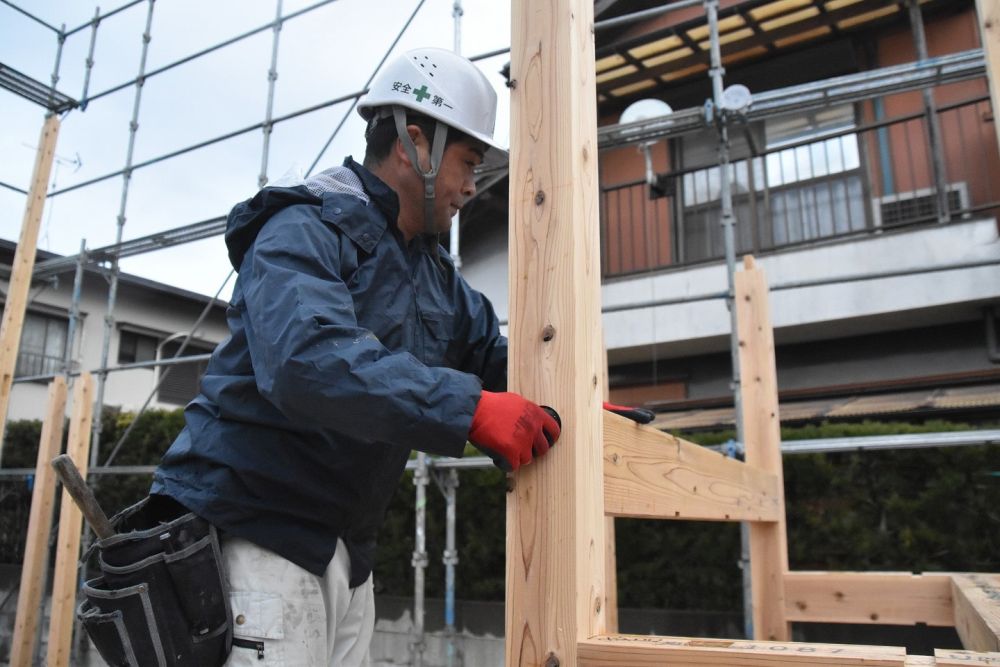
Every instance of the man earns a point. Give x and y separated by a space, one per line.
353 341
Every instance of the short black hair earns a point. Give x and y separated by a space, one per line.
381 135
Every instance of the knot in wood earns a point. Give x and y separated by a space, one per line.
548 333
551 660
539 198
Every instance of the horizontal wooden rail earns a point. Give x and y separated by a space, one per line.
950 658
642 650
976 599
650 474
890 598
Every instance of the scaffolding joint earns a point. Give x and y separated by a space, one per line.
419 559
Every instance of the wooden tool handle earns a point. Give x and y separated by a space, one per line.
82 495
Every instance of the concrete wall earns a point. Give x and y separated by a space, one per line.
815 313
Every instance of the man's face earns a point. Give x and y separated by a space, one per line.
455 183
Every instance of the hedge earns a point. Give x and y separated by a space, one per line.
925 509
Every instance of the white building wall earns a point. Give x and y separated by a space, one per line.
828 311
142 307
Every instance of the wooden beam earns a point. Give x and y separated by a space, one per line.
611 557
641 650
36 548
24 264
651 474
761 430
988 12
885 598
64 586
977 610
555 512
951 658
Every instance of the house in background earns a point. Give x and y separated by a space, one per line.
151 322
884 294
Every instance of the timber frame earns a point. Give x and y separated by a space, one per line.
561 594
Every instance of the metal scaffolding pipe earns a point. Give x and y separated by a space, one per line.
728 221
978 438
109 317
347 113
644 14
450 560
210 49
100 17
89 62
31 16
272 77
74 309
173 361
933 122
419 561
818 94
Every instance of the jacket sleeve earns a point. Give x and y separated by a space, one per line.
314 362
485 353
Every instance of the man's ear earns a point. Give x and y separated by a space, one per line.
419 140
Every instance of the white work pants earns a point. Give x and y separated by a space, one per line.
294 617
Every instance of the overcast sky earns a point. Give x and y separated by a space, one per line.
324 54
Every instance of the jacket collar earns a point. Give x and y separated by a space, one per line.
384 197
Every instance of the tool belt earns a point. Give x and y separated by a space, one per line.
161 599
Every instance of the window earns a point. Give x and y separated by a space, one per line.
135 347
182 382
43 344
807 184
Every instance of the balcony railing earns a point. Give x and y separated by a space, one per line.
843 182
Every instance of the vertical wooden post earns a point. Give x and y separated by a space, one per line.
64 586
36 550
24 264
611 556
988 12
762 432
555 513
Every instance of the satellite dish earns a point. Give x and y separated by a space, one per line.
644 110
736 98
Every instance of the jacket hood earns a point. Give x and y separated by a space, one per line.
247 218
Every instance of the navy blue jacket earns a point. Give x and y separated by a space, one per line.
347 350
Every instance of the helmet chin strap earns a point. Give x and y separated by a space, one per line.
430 176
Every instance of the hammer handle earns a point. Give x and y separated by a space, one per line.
82 495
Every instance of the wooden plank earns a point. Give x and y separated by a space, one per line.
977 610
761 430
640 650
64 586
36 548
24 264
555 518
988 12
611 557
610 576
885 598
651 474
952 658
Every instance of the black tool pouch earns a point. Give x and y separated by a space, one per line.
161 599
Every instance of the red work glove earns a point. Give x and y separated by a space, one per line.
511 430
638 415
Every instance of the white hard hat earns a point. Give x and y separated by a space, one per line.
442 85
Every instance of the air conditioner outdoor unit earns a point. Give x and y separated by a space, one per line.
921 204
